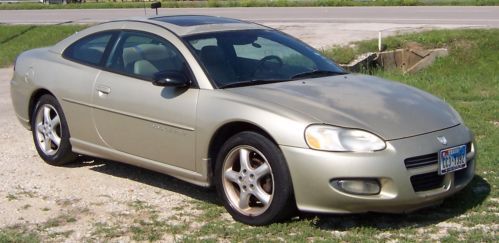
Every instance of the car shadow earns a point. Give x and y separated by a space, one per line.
471 196
148 177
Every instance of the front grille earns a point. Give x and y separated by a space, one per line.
431 180
427 181
427 159
422 160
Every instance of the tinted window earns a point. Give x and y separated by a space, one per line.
263 47
90 49
145 55
258 56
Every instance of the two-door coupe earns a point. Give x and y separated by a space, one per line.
268 120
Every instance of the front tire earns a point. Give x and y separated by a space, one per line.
253 180
50 132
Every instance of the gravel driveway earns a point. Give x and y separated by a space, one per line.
76 202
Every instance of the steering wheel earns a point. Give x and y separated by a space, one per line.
268 64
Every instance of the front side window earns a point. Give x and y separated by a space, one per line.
145 55
90 49
250 57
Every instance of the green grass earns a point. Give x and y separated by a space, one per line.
58 221
18 235
455 39
105 231
15 39
251 3
468 79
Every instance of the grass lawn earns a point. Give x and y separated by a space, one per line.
15 39
468 79
90 4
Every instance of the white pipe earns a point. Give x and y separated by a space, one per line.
379 41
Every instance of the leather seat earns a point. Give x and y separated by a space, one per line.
144 68
153 58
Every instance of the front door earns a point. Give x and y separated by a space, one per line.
134 116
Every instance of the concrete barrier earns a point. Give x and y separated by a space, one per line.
410 59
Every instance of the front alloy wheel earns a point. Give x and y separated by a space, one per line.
248 180
253 180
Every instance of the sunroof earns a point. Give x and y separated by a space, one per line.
192 20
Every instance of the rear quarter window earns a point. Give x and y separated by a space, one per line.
89 49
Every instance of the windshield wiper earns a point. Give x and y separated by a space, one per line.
251 82
316 73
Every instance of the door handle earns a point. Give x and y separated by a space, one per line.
102 89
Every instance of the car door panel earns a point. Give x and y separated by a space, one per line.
138 118
144 120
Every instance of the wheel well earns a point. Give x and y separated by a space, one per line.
228 130
34 99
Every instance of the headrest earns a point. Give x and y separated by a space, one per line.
154 52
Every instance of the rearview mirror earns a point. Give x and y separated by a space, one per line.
171 79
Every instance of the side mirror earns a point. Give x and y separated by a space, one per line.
171 79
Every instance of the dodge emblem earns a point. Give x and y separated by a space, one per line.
442 140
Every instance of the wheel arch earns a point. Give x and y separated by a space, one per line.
228 130
34 99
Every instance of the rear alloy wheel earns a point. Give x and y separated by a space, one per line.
50 132
253 180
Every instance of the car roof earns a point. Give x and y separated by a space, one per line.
184 25
180 25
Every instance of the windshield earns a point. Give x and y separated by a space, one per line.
247 57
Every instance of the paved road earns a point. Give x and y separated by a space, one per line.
320 27
483 16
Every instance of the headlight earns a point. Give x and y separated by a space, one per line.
329 138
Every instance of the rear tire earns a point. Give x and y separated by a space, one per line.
253 180
50 132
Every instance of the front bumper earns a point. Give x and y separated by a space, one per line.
311 172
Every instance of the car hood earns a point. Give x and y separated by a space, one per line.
389 109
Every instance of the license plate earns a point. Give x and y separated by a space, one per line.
451 159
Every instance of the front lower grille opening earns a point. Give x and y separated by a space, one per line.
461 175
427 181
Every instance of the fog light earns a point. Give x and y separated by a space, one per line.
357 186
